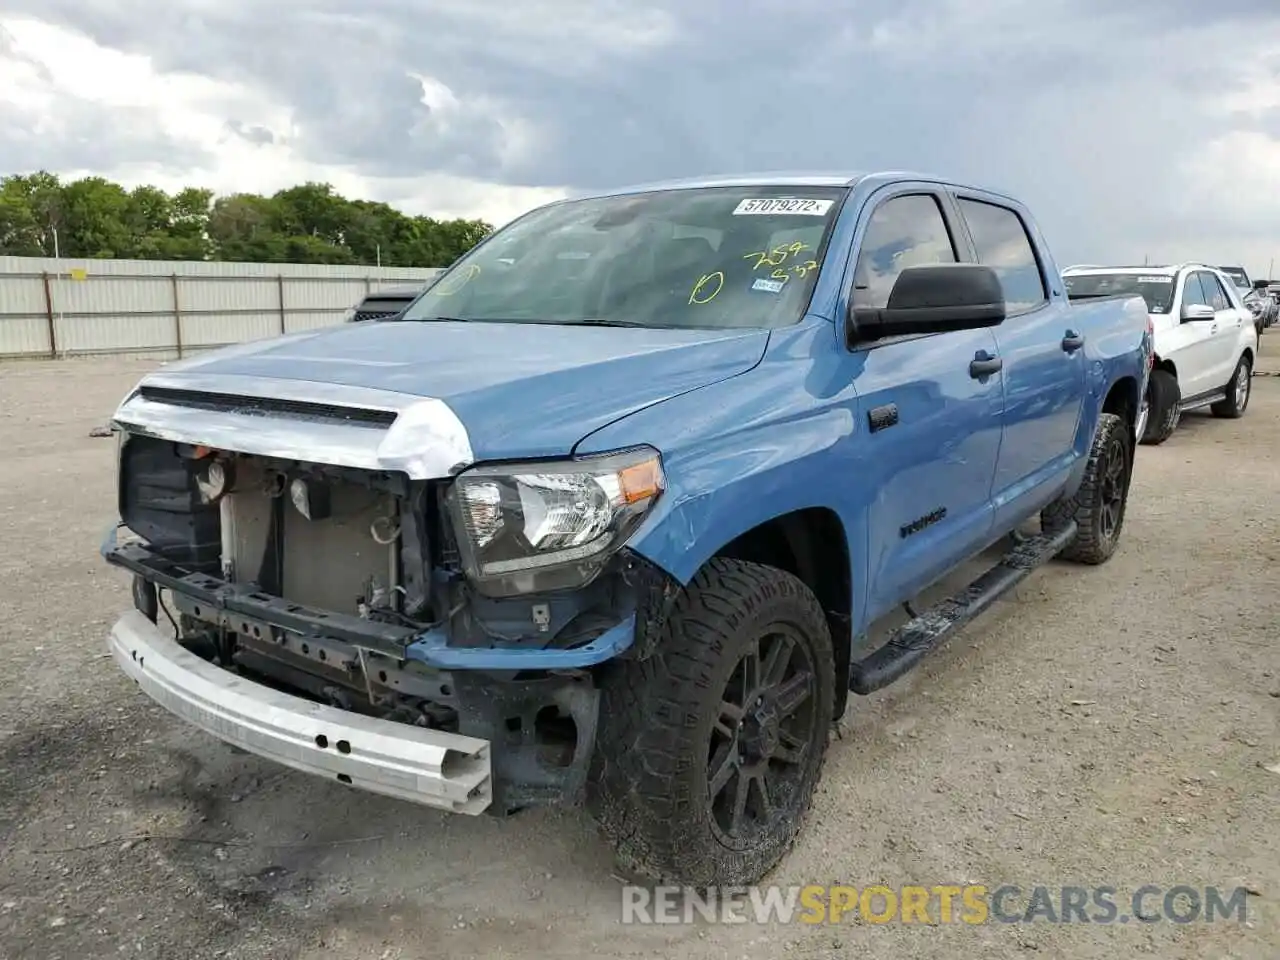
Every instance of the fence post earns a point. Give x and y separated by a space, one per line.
48 310
280 297
177 315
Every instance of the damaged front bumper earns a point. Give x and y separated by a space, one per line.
502 760
431 767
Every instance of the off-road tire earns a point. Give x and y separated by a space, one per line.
1233 407
1164 398
1096 539
648 786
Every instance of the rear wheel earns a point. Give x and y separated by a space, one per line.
1164 399
1098 507
1238 390
708 752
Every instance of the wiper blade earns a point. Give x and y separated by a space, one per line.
607 322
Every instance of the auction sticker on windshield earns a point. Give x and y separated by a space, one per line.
1155 279
775 205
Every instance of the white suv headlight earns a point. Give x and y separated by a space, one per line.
533 527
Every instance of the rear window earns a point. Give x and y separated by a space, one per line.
1154 288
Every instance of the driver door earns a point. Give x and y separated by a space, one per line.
923 459
1194 352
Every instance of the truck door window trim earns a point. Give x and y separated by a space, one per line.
961 247
880 202
963 198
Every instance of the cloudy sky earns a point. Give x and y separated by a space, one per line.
1134 128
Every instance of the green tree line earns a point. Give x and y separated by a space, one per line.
41 216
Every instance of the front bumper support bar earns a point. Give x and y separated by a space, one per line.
448 771
430 647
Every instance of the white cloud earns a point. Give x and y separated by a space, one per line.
45 69
1240 171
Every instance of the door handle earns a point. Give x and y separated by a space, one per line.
1072 341
984 365
1214 328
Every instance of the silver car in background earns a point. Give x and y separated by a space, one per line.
1255 296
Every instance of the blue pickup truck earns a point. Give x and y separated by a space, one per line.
609 511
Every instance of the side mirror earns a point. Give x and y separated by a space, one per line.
1198 313
932 298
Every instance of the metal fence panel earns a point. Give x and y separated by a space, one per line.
107 334
61 307
217 330
229 295
24 337
309 320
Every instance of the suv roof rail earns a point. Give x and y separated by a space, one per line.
1117 266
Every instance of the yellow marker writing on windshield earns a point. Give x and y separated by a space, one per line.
775 257
708 281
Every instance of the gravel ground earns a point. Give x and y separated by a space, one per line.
1102 726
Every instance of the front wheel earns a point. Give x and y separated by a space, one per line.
1164 405
708 752
1237 389
1098 507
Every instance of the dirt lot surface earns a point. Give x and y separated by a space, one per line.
1103 726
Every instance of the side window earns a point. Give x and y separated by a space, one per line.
1192 293
1214 294
1002 243
905 231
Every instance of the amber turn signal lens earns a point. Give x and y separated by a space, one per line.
642 481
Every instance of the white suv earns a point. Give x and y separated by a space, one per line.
1205 340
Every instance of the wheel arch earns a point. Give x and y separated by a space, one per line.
1162 363
1122 399
812 545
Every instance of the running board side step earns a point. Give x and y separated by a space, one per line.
1197 403
914 639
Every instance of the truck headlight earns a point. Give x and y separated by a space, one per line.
533 527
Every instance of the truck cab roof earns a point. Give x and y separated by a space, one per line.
794 178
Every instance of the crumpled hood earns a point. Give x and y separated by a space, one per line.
520 390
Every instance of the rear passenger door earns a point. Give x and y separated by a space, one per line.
1044 364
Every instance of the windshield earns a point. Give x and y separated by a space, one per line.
1156 289
704 257
1238 277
